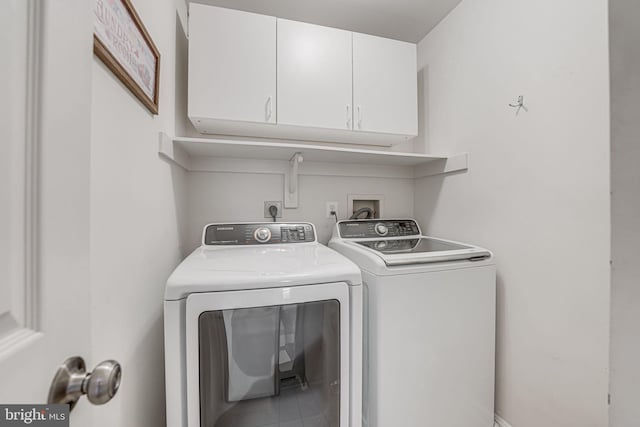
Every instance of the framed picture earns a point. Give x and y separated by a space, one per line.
122 42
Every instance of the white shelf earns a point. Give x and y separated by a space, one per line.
222 155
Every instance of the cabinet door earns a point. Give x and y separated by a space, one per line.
385 85
314 76
232 65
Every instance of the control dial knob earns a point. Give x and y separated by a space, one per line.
381 229
262 234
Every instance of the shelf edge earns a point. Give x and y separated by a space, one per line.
308 146
451 164
171 152
169 149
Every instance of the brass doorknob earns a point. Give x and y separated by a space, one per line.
72 381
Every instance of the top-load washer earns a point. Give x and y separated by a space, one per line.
429 325
263 328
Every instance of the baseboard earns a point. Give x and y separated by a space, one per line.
501 422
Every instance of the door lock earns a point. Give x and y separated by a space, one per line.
72 381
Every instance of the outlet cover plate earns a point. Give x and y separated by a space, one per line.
331 206
278 204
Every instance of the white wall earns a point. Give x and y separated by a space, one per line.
625 205
136 212
228 197
536 193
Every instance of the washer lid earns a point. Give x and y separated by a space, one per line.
214 269
422 250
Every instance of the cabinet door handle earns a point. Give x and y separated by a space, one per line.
359 117
269 109
349 116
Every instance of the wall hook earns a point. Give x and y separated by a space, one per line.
520 105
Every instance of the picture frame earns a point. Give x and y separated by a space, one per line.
123 44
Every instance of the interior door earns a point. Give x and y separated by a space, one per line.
385 85
44 195
314 76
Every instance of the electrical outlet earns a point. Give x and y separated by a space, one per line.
332 207
277 204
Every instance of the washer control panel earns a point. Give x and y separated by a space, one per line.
258 233
376 228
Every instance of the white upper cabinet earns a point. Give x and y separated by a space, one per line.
385 92
232 66
314 76
256 75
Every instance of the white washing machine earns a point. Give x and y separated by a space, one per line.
429 325
263 328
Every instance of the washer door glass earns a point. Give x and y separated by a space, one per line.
270 366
